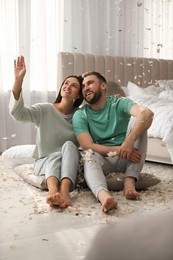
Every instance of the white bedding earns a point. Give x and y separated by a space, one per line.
162 106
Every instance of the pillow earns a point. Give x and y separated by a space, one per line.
114 180
167 95
134 90
26 172
165 84
124 88
114 88
17 155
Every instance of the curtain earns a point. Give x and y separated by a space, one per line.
31 28
39 29
139 28
108 27
158 29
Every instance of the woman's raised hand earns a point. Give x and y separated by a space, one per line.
19 68
19 73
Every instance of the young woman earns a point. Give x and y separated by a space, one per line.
56 153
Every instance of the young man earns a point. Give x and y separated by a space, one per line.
105 127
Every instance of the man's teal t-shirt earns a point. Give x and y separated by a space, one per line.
106 126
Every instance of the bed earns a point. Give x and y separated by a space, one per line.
147 81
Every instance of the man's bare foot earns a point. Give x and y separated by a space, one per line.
54 199
107 201
131 194
109 204
129 189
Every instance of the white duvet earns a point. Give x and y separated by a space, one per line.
162 125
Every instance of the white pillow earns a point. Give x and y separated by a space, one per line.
26 172
134 90
165 84
167 95
17 155
124 88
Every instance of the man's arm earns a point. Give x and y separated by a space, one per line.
144 117
86 142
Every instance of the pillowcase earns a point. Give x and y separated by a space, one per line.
114 88
167 95
114 180
26 172
165 84
17 155
134 90
124 88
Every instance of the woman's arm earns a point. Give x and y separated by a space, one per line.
19 73
17 108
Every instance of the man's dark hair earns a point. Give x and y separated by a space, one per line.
100 77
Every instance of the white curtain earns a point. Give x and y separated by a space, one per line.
108 27
39 29
158 29
31 28
141 28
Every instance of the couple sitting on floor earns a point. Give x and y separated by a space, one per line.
112 131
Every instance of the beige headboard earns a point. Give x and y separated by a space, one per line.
141 71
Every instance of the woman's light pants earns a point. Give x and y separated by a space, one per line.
61 164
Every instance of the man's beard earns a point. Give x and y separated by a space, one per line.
96 97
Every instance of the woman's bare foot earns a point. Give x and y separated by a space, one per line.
129 189
65 193
54 199
107 201
66 200
63 201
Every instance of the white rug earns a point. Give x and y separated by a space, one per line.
158 197
30 229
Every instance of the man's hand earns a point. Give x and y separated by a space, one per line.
127 151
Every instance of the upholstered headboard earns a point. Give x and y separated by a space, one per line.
141 71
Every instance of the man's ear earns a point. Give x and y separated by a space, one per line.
104 86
